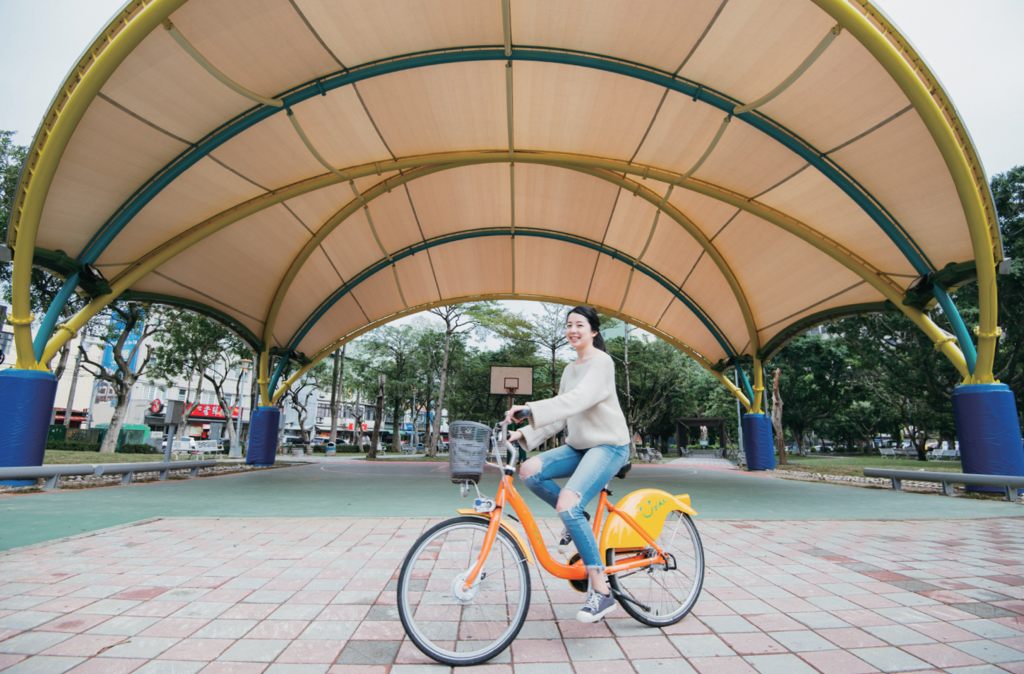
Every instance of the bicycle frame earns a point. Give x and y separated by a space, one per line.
507 495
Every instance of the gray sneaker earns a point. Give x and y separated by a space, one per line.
596 608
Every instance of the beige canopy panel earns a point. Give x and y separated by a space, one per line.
723 173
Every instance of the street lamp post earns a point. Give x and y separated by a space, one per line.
236 447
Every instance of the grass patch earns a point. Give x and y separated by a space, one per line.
57 456
855 465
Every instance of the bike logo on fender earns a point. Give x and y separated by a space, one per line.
653 506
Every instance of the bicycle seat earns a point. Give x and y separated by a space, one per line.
622 471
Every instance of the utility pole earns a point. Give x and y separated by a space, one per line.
739 408
71 395
377 417
236 447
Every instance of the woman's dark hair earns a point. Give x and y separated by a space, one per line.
595 324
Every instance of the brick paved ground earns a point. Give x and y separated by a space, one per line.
308 596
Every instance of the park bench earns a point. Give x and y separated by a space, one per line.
887 452
648 454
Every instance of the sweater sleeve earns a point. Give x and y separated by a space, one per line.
534 435
594 387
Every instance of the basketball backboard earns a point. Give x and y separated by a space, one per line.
503 378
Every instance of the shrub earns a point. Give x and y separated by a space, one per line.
73 445
129 448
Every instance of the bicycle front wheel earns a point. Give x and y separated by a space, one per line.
664 593
460 627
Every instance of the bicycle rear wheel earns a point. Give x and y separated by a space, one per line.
666 592
453 626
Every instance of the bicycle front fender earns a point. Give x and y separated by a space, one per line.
506 527
649 507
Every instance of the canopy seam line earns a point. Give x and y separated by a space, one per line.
239 174
416 217
686 60
665 311
209 297
316 34
312 233
604 236
142 119
811 306
373 121
702 251
876 127
781 182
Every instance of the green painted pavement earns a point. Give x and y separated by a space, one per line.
360 489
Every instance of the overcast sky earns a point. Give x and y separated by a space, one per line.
974 47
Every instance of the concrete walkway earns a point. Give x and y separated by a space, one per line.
310 595
346 488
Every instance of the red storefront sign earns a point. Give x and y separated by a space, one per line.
351 426
211 412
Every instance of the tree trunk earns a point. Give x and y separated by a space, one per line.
280 428
378 420
435 432
780 440
629 398
337 382
396 428
109 445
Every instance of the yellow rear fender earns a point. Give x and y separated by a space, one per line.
506 527
649 507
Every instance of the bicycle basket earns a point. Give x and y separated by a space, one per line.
467 450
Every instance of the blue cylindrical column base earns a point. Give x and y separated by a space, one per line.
988 430
263 426
26 403
758 444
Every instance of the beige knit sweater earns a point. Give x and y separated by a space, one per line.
586 402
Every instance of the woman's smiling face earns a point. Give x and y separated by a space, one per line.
578 332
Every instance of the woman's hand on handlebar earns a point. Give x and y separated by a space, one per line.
515 436
513 410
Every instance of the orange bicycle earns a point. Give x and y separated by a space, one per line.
464 587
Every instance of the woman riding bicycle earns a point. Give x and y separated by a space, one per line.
597 446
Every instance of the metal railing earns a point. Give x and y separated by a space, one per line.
53 473
1008 483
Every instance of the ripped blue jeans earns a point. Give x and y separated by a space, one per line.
590 470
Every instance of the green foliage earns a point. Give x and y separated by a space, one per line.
138 448
12 157
73 445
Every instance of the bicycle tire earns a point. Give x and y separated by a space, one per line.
668 594
472 630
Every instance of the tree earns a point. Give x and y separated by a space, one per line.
186 348
389 350
299 394
337 383
815 379
659 373
776 417
126 321
223 363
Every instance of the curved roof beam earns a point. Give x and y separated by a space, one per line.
387 185
932 104
697 91
421 246
875 277
338 343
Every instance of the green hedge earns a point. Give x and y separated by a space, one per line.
73 445
138 449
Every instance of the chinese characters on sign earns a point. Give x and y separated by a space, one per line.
214 411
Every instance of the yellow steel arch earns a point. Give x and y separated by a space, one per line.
957 152
599 167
